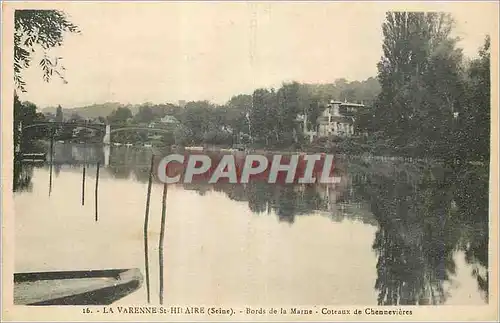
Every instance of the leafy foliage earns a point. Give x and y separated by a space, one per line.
356 91
39 30
120 115
144 115
474 122
25 114
429 103
59 114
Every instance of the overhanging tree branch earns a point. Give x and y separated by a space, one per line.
39 30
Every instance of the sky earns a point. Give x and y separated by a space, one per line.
165 52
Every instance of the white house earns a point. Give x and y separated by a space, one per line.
336 120
165 121
169 119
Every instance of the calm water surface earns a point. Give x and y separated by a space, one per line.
390 233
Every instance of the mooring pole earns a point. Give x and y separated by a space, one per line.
146 222
162 237
96 191
83 185
84 166
51 160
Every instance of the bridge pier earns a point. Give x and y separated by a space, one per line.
19 138
107 153
107 136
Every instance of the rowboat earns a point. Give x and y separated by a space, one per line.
92 287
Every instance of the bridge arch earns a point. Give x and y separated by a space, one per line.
105 129
65 124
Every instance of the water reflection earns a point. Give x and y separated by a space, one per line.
424 214
472 194
22 176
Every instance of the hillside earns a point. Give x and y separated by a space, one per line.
356 91
93 111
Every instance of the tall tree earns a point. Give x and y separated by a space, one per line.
259 116
474 120
313 112
120 115
201 118
75 117
145 114
290 105
25 114
237 108
59 114
418 77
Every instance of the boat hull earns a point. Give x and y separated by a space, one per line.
93 287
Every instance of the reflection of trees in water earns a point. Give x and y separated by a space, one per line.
285 204
120 171
92 153
420 230
57 170
124 161
22 176
234 192
141 157
290 200
65 153
472 193
200 188
23 172
141 174
260 196
286 201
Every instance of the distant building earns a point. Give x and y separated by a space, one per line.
166 121
49 116
336 120
169 120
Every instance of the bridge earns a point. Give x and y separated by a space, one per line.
107 129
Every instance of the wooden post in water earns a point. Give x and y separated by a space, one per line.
146 222
83 185
162 237
96 191
84 166
51 161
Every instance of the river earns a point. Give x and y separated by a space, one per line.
389 233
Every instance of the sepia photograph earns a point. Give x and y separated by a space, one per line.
249 160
